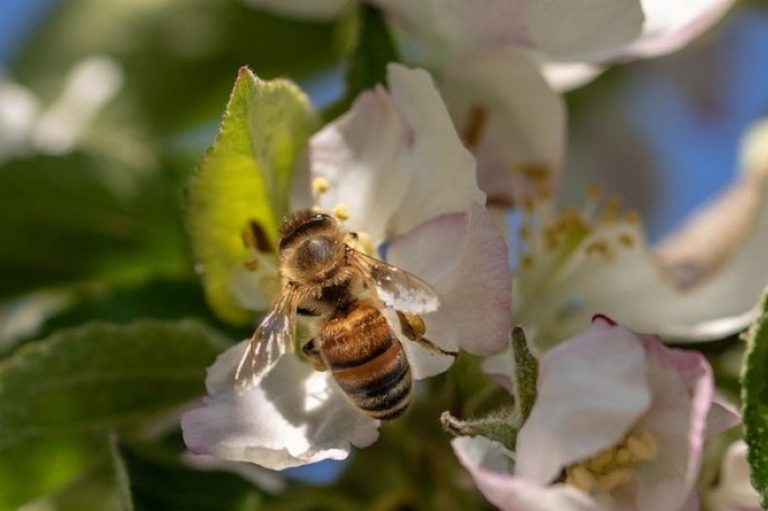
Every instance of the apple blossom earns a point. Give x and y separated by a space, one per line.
619 423
579 262
26 127
394 169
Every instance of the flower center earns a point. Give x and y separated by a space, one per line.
613 467
321 186
557 246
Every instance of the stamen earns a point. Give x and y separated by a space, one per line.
476 121
341 212
614 479
580 477
320 185
527 261
613 467
595 191
626 239
611 210
537 172
632 216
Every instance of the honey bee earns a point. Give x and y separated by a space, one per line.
345 292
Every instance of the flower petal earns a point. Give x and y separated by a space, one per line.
257 289
491 466
465 259
671 25
723 415
19 111
592 388
309 9
509 118
565 76
294 416
359 155
442 171
682 386
734 492
680 291
561 29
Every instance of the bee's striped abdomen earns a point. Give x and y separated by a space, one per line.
368 362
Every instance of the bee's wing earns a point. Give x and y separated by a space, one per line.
272 338
396 287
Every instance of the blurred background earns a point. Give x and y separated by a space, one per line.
105 108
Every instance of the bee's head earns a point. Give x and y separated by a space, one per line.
311 246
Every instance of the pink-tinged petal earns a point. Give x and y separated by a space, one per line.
491 467
677 292
294 416
318 10
560 29
723 249
499 368
683 388
509 118
723 415
592 388
465 258
264 479
734 491
565 76
692 504
442 171
360 156
671 25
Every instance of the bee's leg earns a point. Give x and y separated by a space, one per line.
312 352
413 328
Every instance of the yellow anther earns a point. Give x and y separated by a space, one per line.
551 239
638 449
602 460
595 191
525 232
598 247
341 212
623 457
320 185
626 239
544 192
632 216
527 261
536 172
613 479
648 441
528 203
580 477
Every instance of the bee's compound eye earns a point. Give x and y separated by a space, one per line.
316 253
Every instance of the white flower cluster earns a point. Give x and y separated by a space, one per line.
620 420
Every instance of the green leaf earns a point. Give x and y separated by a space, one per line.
244 179
754 394
367 65
42 465
122 478
101 376
159 481
65 221
177 54
167 299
